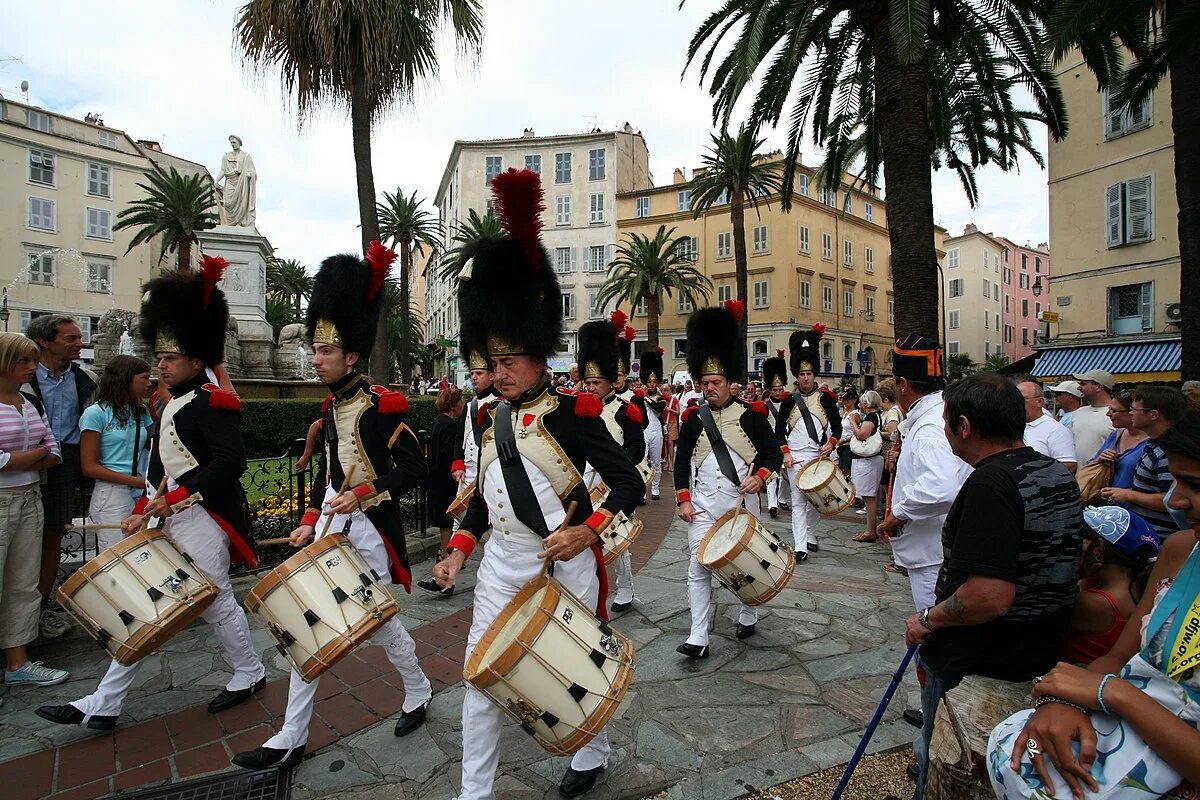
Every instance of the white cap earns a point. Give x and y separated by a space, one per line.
1068 387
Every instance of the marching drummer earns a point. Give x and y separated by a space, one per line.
534 447
727 452
809 425
597 359
371 458
655 408
625 390
775 379
197 453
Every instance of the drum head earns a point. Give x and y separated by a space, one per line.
815 473
727 536
518 623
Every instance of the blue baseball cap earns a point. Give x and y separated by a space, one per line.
1124 530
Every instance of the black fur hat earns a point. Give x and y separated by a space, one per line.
597 351
509 299
345 304
652 365
184 312
712 342
806 350
775 371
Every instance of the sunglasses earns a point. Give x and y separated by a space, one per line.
1126 397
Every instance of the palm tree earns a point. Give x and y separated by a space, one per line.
900 85
279 312
1164 38
403 222
466 234
175 207
994 363
405 330
288 280
735 171
364 56
651 268
959 366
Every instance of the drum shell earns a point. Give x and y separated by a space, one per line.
618 536
458 509
119 576
305 582
752 545
829 496
542 639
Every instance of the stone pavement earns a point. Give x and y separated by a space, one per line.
789 701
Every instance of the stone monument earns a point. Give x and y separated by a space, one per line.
237 186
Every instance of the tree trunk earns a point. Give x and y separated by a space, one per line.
652 312
360 131
738 215
1184 79
185 255
901 96
405 310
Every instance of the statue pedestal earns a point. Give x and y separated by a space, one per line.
245 283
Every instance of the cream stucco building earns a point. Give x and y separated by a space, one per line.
62 183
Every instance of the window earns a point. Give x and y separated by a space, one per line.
642 206
38 121
987 319
953 319
1037 265
41 167
1024 335
492 166
595 311
1008 334
41 269
952 258
760 294
827 298
891 312
684 305
534 164
956 287
1007 276
1118 123
99 224
562 167
870 257
869 211
847 302
99 180
642 308
689 248
1024 261
596 208
995 291
683 200
951 348
760 347
108 139
803 238
826 350
597 261
869 306
568 306
805 294
680 348
848 205
41 214
723 197
1037 310
987 348
802 185
759 237
826 247
724 292
564 260
99 277
987 288
1023 280
562 210
997 323
1007 298
848 252
724 245
1129 214
828 197
596 164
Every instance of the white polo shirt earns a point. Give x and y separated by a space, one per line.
1051 438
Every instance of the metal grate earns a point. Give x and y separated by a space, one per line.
267 784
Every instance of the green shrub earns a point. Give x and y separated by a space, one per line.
269 427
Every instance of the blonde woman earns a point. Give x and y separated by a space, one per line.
866 472
27 446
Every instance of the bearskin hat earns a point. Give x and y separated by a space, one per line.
509 299
775 371
652 365
806 350
712 342
597 352
184 312
347 299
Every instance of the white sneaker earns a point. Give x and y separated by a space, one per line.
32 673
52 625
862 512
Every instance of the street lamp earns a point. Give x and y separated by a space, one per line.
4 311
1037 286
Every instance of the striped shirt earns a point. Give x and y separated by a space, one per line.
22 430
1153 477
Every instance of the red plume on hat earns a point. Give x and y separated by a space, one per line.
518 197
630 333
618 318
780 352
735 307
379 259
659 350
212 269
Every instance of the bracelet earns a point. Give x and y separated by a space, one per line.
1049 698
1100 692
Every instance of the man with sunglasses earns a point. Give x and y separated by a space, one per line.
1154 410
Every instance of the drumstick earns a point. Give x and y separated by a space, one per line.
162 487
95 527
345 485
566 523
278 540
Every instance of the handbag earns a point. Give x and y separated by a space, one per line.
1091 479
868 447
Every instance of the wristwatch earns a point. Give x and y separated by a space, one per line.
923 618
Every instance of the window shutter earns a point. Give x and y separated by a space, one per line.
1140 115
574 258
1112 226
609 255
1147 306
1138 211
1112 118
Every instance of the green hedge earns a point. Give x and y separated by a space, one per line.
270 426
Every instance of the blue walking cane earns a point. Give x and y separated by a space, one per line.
870 731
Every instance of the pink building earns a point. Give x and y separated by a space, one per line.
1026 290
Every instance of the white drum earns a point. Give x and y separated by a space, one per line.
829 491
600 491
458 509
136 595
551 665
321 603
617 538
747 558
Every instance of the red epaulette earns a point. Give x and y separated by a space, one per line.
759 406
588 405
328 402
390 402
220 399
687 412
639 393
634 413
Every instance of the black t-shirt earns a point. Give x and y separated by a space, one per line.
1016 518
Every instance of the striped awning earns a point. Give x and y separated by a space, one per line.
1128 361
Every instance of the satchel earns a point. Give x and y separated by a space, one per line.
1091 479
868 447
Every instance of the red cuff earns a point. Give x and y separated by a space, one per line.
463 541
310 518
177 495
141 504
597 521
763 472
786 449
682 496
458 465
364 491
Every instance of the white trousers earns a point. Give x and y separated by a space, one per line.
804 515
711 500
194 532
624 570
923 583
654 445
508 564
393 637
777 492
111 504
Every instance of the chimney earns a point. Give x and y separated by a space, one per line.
1044 246
627 128
679 177
971 228
528 133
150 145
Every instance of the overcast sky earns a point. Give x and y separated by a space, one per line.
168 71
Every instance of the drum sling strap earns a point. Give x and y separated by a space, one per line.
476 428
524 499
806 415
720 449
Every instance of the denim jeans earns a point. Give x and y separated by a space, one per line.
932 692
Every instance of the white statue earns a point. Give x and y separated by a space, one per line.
238 185
125 344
